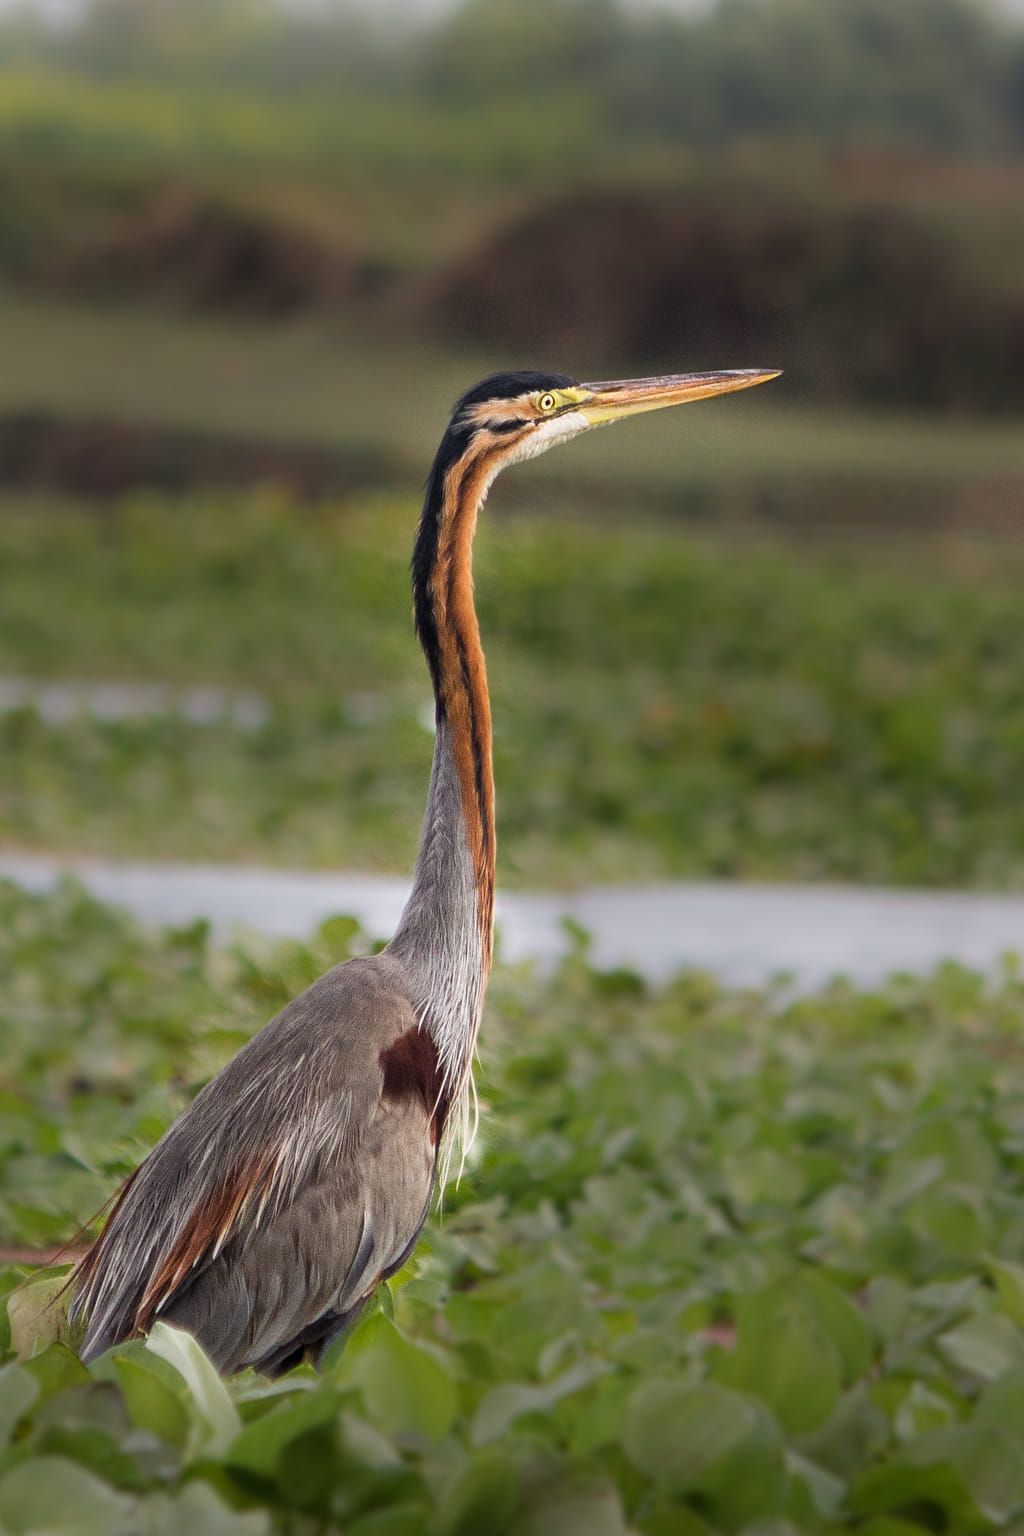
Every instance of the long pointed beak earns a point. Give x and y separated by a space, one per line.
628 397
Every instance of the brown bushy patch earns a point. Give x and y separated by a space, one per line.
193 248
102 459
861 301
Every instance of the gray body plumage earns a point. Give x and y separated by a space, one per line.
347 1185
333 1153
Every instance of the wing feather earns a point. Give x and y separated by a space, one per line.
292 1182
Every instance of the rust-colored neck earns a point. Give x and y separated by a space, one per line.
448 629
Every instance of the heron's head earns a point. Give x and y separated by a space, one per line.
513 416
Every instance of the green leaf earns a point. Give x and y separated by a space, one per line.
987 1459
897 1489
681 1435
570 1501
762 1174
260 1444
954 1219
405 1387
797 1342
855 1435
600 1420
922 1411
502 1405
18 1392
985 1346
197 1511
215 1423
401 1520
55 1370
151 1404
1009 1279
887 1307
962 1148
51 1495
1002 1404
38 1313
825 1489
481 1499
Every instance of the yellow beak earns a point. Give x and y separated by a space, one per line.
628 397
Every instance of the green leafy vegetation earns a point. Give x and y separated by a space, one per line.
501 91
717 1260
662 707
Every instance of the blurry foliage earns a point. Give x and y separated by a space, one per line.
863 283
941 74
889 284
859 298
661 706
225 156
720 1262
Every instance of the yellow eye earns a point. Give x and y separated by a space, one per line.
547 402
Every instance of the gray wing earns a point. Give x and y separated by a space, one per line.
295 1180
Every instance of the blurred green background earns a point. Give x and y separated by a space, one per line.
249 254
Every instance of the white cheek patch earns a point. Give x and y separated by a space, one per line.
547 434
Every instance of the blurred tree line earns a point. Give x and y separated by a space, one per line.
939 75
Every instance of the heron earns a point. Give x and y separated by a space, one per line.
301 1175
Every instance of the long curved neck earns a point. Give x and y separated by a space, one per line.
446 931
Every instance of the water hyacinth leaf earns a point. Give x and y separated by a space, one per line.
53 1495
259 1445
600 1420
216 1423
763 1174
679 1435
672 1520
18 1392
1002 1404
569 1501
510 1401
887 1307
151 1404
887 1525
794 1369
961 1146
400 1520
405 1387
1009 1281
921 1411
821 1304
55 1370
855 1435
826 1491
95 1450
986 1346
481 1499
954 1219
896 1488
38 1314
198 1511
987 1459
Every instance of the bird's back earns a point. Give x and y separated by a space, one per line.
296 1179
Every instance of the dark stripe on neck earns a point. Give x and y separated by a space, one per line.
424 565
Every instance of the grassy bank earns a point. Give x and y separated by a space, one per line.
714 1262
664 705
